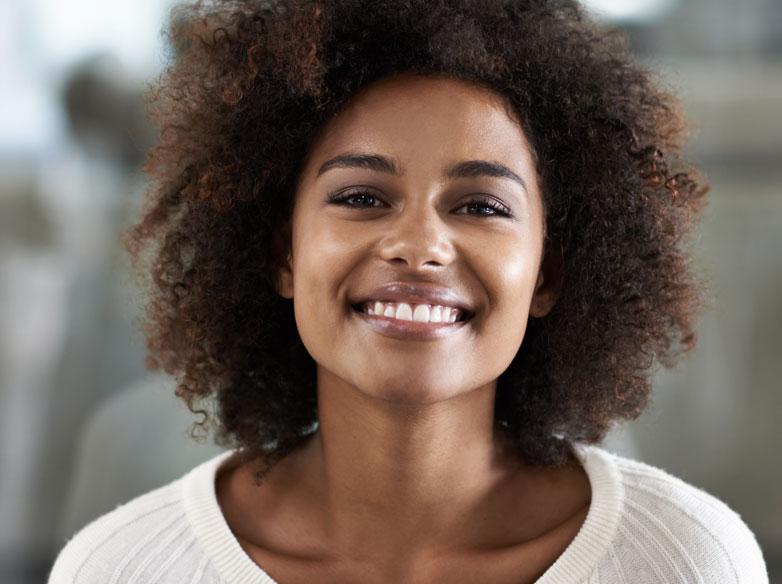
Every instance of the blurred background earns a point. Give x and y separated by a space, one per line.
83 427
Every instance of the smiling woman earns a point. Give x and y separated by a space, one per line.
421 255
417 208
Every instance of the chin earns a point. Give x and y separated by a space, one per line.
414 392
405 397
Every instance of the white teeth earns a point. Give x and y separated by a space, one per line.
414 312
404 312
421 313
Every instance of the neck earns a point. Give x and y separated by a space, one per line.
395 484
404 467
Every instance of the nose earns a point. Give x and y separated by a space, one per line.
419 239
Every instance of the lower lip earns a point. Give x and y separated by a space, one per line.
409 330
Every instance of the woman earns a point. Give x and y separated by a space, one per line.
419 256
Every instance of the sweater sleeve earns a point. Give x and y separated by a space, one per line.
673 532
147 540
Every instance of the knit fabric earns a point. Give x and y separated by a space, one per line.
643 527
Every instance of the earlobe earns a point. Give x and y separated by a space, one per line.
549 284
285 280
283 259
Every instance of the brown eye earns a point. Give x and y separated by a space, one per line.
355 199
484 207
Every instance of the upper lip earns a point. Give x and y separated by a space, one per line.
415 293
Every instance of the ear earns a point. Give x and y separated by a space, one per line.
549 284
283 260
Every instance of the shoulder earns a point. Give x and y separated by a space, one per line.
670 531
146 540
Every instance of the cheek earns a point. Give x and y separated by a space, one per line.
313 245
519 278
513 271
309 267
509 274
323 257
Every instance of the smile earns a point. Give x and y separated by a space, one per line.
413 312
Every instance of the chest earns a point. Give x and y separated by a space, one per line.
518 564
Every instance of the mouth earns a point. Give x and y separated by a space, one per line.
412 312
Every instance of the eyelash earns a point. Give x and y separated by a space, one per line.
484 201
344 197
487 202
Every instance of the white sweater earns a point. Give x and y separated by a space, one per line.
643 527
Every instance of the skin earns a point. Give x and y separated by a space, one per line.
406 479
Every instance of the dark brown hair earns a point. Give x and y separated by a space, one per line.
250 84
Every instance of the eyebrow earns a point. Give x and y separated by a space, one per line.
475 168
368 161
466 169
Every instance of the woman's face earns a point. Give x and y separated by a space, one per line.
419 203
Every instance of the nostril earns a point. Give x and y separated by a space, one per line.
414 262
417 249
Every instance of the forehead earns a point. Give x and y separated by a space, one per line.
417 120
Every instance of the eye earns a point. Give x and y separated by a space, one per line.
355 199
484 206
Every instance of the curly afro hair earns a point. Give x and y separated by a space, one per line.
249 86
